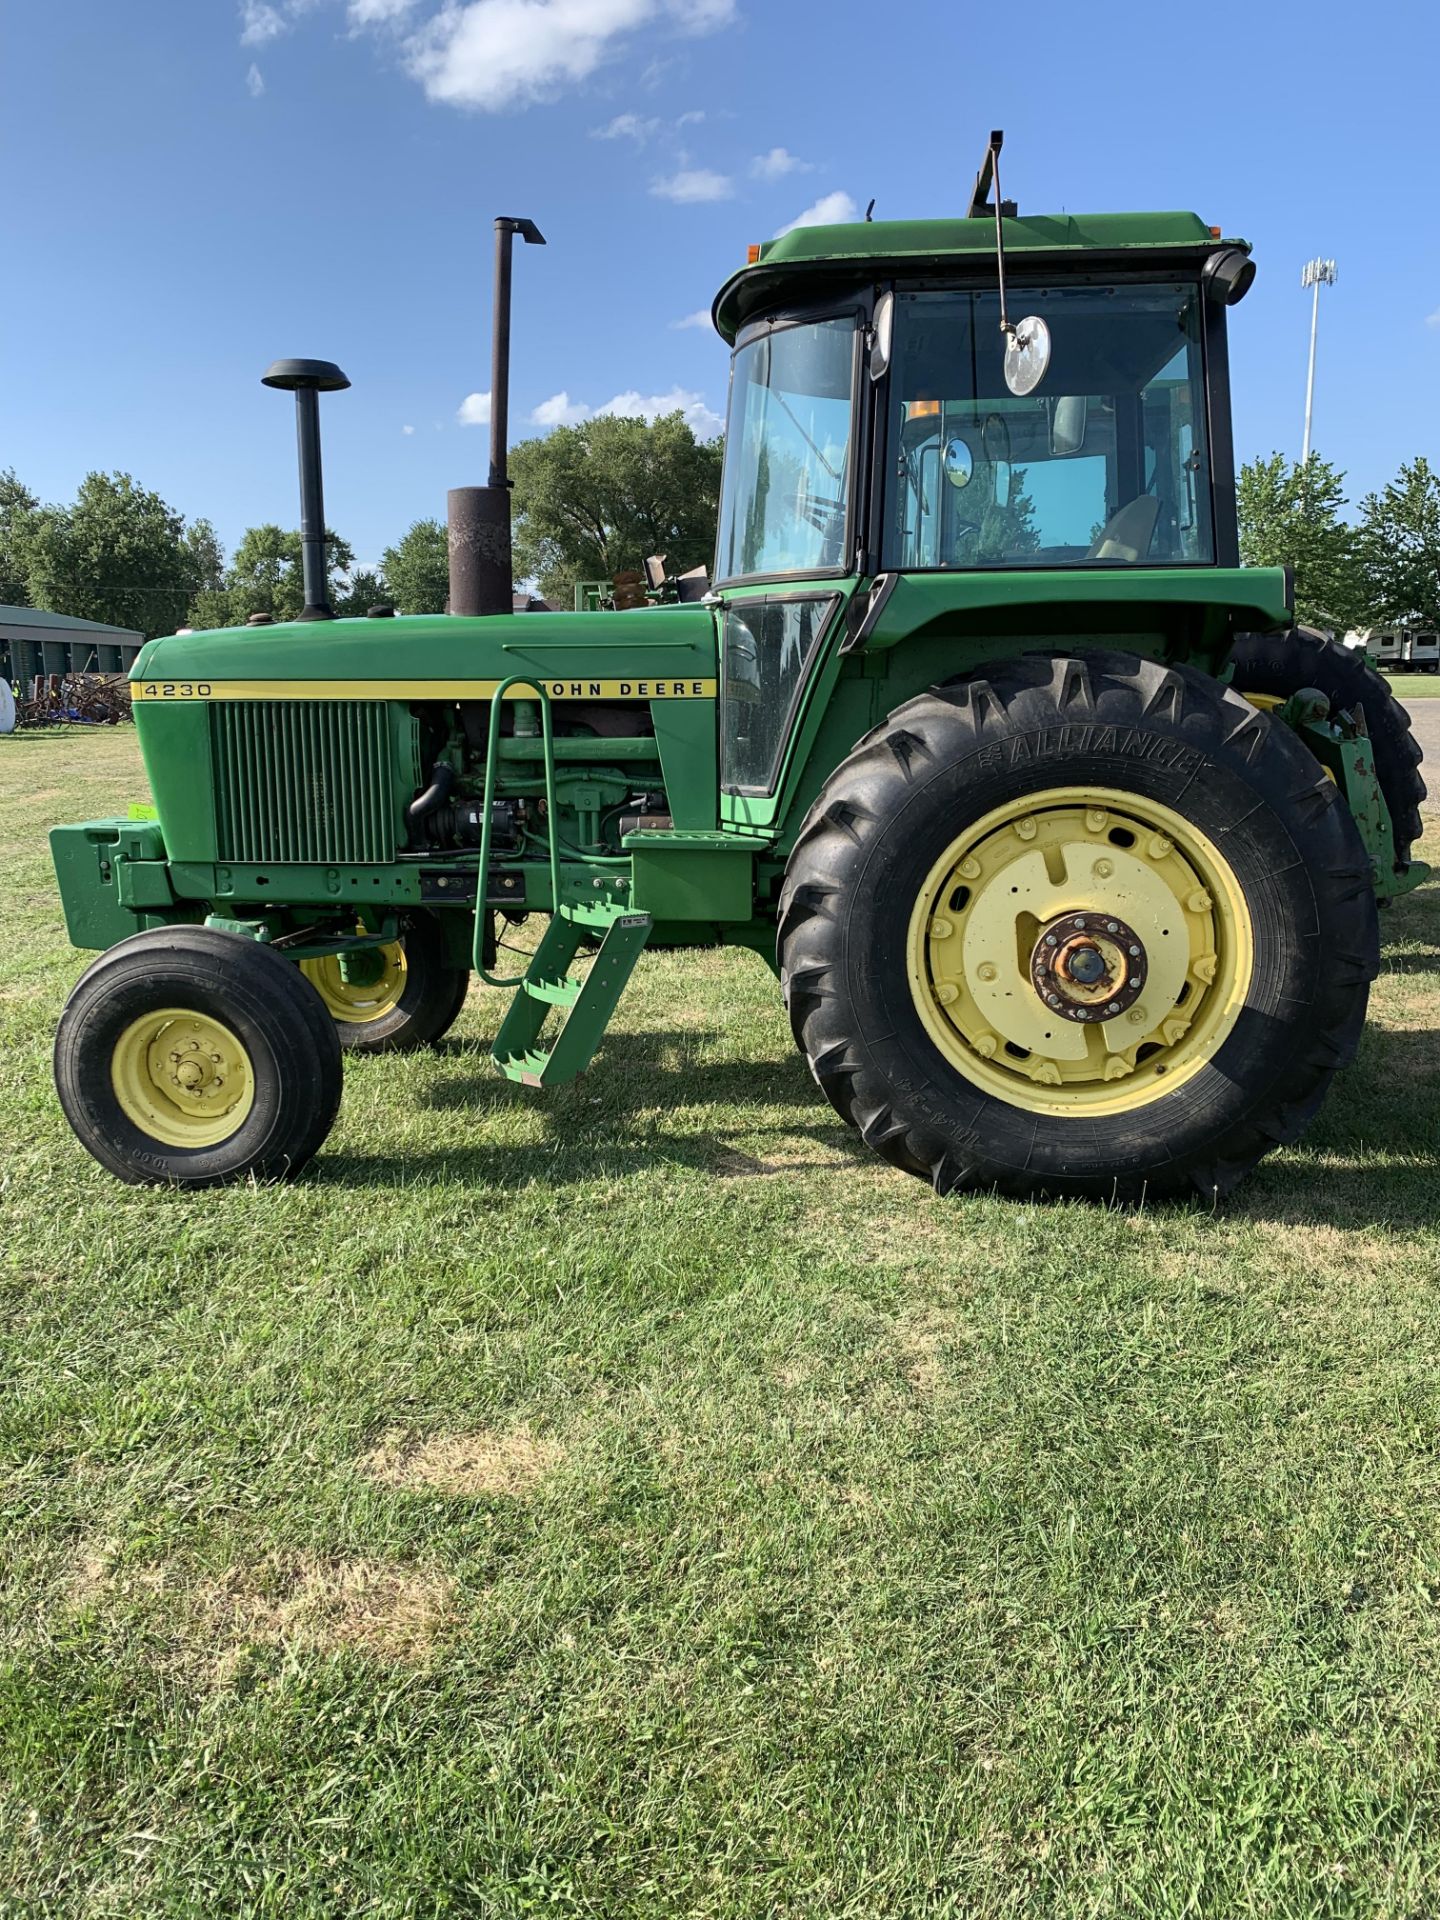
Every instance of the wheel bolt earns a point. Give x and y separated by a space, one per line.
1027 828
946 992
1095 819
1103 869
1158 846
941 929
988 970
1112 926
1051 940
1138 1016
1134 953
1199 901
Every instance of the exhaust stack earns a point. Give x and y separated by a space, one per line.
307 380
482 573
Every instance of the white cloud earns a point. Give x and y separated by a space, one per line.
407 429
259 22
693 185
474 410
255 81
831 209
491 54
627 126
1433 319
633 405
775 164
378 13
559 411
700 318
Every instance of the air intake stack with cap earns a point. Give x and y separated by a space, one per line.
307 380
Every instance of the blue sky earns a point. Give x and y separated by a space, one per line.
194 187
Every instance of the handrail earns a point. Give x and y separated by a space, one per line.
492 762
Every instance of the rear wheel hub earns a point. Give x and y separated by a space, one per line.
1088 966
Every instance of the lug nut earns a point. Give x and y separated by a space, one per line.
988 970
1158 846
1103 869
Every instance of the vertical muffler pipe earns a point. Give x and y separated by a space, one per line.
482 572
307 380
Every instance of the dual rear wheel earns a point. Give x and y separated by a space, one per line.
1085 926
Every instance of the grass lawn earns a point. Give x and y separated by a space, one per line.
640 1501
1414 686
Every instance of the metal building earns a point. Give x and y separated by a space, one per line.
33 641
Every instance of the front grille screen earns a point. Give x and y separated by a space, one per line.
303 782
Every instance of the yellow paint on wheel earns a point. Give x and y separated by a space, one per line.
357 1002
1014 881
183 1078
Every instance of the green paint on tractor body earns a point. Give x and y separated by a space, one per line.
895 516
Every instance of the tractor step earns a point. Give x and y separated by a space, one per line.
589 1000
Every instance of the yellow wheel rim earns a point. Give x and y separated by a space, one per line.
350 1000
1152 897
183 1078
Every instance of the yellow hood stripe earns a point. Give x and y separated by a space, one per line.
661 687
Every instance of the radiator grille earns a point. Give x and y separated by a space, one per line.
303 782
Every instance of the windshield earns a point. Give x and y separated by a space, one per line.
1105 463
784 502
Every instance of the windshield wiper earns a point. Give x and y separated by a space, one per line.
804 435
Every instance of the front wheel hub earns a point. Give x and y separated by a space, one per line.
1088 966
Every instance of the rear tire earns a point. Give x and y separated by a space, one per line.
1153 765
416 998
1283 663
190 1058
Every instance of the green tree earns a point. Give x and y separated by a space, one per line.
595 498
416 569
1399 543
363 590
118 554
265 575
17 509
1290 516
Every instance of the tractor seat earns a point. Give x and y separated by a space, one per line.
1127 534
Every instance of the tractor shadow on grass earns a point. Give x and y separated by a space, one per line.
1371 1157
616 1119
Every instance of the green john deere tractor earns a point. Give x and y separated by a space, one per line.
1064 842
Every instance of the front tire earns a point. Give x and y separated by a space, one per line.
191 1058
401 997
1103 804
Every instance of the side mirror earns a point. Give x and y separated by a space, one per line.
882 332
1069 413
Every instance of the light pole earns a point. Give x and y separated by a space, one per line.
1316 274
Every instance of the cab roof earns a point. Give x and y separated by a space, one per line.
799 264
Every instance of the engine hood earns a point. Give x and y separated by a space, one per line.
433 655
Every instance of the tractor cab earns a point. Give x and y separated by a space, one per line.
891 423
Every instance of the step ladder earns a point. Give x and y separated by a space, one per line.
589 999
